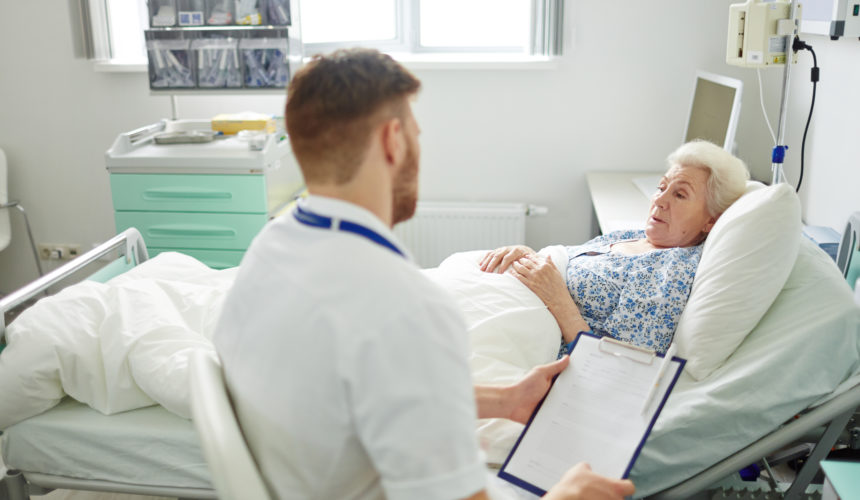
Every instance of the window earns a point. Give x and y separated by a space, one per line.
113 30
522 27
500 27
126 44
333 21
474 24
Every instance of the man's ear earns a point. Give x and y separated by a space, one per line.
393 145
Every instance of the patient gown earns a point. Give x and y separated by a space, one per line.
637 299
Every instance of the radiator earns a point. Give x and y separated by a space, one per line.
439 229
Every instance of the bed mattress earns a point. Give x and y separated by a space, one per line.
149 446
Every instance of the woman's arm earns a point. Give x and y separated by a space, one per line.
541 276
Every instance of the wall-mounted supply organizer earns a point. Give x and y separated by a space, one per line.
206 45
189 13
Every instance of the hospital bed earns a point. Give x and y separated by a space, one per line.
795 376
798 366
791 380
146 451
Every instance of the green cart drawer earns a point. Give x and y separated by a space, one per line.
189 193
216 259
192 230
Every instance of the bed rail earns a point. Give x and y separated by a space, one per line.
834 414
129 243
24 484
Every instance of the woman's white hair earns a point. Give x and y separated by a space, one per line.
727 177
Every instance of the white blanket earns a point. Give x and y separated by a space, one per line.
510 332
115 346
124 344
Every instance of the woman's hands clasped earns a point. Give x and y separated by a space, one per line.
541 276
500 259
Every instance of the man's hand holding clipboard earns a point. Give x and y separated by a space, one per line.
600 411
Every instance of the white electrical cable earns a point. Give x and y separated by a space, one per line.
763 110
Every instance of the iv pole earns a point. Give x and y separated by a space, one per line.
778 154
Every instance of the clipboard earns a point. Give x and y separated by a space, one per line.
592 413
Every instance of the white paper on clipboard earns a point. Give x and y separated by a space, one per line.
593 413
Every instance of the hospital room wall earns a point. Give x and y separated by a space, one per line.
616 100
830 191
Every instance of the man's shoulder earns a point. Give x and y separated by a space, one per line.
335 262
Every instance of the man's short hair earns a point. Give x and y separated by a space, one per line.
333 104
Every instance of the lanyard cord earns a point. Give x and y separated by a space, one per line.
315 220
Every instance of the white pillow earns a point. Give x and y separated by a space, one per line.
745 262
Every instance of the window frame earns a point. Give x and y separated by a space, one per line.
545 41
545 34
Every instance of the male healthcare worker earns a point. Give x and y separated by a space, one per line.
347 366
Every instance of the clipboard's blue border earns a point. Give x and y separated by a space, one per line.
540 492
682 362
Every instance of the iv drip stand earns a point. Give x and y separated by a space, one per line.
778 154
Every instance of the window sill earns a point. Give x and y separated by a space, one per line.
114 66
412 61
454 61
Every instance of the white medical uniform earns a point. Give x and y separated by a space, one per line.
348 367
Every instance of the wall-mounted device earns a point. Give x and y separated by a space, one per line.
757 33
835 18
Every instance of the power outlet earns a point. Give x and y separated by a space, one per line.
58 251
74 251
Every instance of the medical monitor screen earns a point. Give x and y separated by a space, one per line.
714 110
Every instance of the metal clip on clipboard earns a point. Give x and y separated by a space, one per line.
634 353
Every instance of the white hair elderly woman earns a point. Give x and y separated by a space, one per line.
633 285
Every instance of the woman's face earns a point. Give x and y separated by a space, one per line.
679 215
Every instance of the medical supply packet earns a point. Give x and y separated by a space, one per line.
232 123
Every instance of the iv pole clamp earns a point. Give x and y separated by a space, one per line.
778 155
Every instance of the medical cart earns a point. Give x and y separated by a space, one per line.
206 199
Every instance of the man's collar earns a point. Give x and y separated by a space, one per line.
345 210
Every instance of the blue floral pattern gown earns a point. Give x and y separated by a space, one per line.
637 299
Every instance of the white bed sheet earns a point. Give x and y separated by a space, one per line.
148 446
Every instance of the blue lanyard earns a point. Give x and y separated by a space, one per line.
321 221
